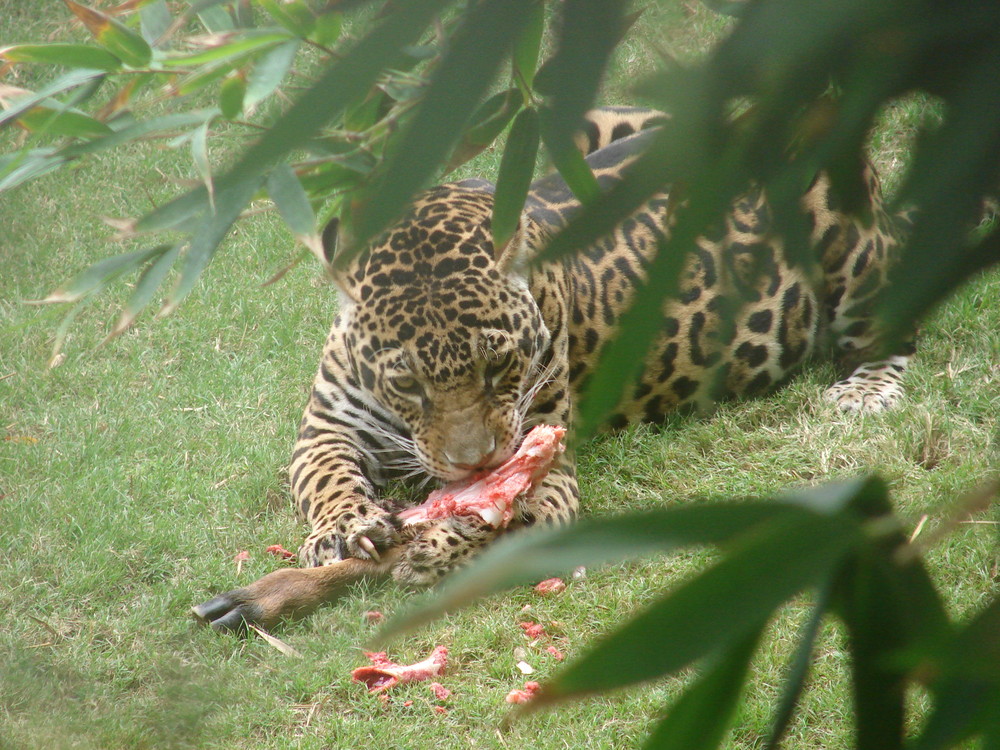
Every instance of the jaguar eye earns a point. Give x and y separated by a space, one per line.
407 384
497 368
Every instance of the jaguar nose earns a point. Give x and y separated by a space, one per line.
471 457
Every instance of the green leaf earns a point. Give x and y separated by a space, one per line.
516 170
72 80
69 122
145 288
294 16
214 18
18 168
231 95
365 113
768 565
589 31
96 277
239 45
328 27
796 677
199 153
529 44
488 122
702 715
460 80
953 168
292 202
570 162
537 554
229 202
139 130
346 80
154 20
268 72
967 686
113 35
70 55
874 635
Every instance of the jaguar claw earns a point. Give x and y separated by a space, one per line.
368 546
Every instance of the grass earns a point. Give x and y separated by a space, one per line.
130 476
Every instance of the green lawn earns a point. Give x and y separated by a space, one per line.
131 475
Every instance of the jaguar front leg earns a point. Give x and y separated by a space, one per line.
333 491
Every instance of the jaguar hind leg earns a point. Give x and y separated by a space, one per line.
873 387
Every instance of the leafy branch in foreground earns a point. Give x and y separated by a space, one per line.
839 541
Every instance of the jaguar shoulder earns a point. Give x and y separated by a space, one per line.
446 349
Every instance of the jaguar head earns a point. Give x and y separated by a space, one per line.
442 331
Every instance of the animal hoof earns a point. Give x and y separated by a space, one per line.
228 613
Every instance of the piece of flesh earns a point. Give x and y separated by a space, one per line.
491 495
383 674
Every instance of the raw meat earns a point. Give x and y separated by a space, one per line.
383 674
440 691
523 696
550 586
278 551
491 494
534 630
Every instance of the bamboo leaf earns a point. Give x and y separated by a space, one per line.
68 122
199 153
365 113
702 715
229 202
113 35
589 31
516 170
215 19
18 168
140 130
294 16
524 60
536 554
96 276
150 280
875 634
461 79
572 165
293 204
72 80
769 564
268 72
238 45
798 670
327 27
231 95
488 122
154 20
346 80
70 55
952 170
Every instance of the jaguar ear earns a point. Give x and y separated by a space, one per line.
512 256
344 273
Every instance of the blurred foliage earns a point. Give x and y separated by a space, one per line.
386 100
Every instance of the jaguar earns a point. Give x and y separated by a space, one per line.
448 348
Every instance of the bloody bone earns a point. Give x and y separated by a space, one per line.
383 674
491 494
298 591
